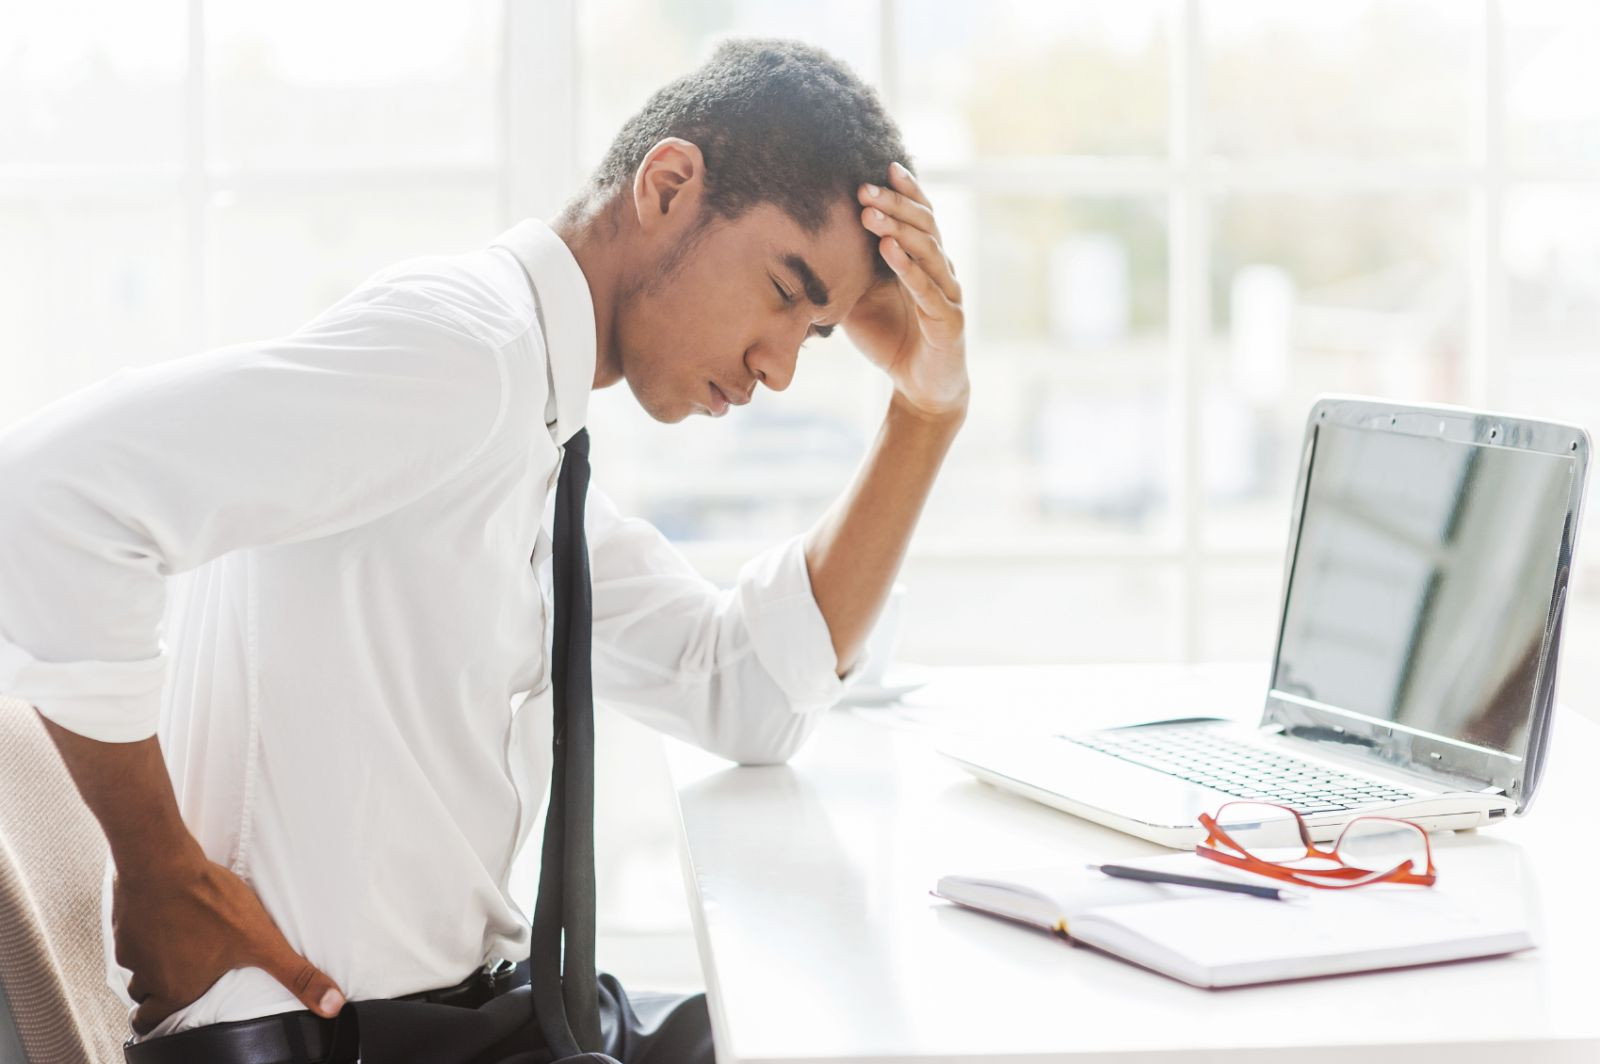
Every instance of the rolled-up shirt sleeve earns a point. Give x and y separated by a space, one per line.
106 493
744 672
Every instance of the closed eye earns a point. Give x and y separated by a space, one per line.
819 331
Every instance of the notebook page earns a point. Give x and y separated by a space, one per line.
1048 897
1479 907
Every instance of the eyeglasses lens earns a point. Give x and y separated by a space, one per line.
1265 831
1379 845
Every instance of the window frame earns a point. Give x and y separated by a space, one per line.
537 166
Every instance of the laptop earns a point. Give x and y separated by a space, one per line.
1415 667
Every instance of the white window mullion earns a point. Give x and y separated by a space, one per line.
888 59
1486 353
196 185
1188 269
502 138
540 79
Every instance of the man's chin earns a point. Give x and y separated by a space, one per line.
668 413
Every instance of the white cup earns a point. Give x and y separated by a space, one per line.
881 641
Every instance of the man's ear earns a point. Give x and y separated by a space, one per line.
668 185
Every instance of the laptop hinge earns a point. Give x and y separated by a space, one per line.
1364 755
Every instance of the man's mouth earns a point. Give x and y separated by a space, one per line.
719 401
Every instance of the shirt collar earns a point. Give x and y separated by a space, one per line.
566 312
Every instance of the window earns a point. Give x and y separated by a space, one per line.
191 174
1176 220
1164 263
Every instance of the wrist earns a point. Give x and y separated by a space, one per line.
948 415
164 864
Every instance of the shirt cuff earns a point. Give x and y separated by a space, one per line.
787 630
112 701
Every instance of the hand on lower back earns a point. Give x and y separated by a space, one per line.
180 930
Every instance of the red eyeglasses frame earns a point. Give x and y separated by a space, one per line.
1344 876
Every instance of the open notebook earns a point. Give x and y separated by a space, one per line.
1480 907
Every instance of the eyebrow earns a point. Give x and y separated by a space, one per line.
816 291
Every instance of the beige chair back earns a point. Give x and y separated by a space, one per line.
52 857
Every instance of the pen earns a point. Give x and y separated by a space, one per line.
1144 875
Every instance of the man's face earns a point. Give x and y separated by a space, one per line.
699 333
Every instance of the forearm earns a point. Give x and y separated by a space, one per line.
855 550
126 787
179 921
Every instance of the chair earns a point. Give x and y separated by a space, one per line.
52 857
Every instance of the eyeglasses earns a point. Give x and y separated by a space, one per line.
1273 840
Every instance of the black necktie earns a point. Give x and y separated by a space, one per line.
565 998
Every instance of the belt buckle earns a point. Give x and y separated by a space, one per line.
498 975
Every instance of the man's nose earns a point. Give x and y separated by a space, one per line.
773 362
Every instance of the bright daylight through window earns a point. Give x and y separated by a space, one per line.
1162 263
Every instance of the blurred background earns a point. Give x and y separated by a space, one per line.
1177 221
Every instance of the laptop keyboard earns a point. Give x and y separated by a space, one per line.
1204 755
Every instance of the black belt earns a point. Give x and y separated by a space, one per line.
299 1037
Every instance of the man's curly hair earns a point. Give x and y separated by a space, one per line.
777 121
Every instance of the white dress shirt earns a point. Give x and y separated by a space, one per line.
304 563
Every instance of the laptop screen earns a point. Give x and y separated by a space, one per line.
1422 582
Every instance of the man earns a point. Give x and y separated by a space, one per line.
313 792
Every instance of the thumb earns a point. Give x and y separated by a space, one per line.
315 990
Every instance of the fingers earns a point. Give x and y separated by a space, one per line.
907 184
302 979
147 1016
930 300
314 989
900 205
152 1008
904 213
920 245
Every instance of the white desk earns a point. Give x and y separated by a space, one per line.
809 888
